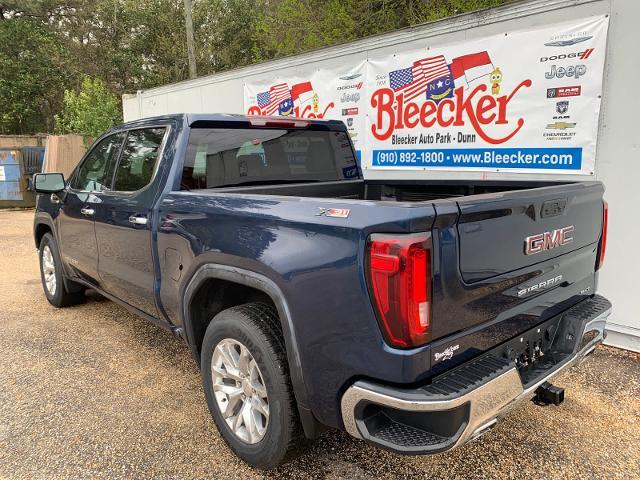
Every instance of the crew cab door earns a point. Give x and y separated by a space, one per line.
123 222
76 233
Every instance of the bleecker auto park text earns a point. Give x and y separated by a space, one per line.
475 108
437 138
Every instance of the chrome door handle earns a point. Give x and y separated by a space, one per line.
138 220
87 211
54 198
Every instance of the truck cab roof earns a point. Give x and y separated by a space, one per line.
198 119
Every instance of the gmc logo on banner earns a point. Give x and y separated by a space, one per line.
548 240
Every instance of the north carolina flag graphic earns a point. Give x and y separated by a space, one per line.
441 88
413 81
286 107
470 68
302 92
270 101
280 99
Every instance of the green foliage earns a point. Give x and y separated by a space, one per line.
89 112
48 46
34 69
296 26
225 32
288 27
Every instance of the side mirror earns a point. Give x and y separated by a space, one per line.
48 182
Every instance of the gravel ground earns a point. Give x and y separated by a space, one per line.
94 392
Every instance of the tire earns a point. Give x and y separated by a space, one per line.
256 327
52 276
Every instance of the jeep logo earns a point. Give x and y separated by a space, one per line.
350 97
575 71
548 240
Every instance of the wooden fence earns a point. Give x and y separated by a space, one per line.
64 152
18 141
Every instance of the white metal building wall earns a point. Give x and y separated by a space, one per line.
618 156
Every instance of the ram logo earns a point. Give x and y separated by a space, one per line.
548 240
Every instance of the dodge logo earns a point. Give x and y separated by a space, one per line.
548 240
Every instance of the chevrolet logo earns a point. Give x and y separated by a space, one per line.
560 125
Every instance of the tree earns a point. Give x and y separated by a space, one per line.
225 32
48 46
90 112
288 27
34 71
293 26
129 44
191 51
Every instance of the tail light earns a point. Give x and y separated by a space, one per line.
603 238
399 274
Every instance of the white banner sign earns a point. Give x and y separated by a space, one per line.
525 101
324 94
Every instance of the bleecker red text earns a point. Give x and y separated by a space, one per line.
392 113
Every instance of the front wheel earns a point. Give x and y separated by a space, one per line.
52 275
247 385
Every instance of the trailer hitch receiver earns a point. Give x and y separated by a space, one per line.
549 394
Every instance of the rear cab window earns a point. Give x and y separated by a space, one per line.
226 157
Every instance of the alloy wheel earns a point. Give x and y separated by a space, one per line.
239 390
49 270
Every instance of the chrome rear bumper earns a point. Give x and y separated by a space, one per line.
418 421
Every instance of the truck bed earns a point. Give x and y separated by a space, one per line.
387 191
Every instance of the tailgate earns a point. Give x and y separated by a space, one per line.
508 231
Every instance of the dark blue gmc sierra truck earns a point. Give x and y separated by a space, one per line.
411 314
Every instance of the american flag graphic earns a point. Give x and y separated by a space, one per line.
413 81
269 101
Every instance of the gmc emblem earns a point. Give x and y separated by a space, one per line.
548 240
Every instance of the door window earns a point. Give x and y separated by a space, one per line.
138 160
97 169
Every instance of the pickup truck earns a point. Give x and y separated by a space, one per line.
413 315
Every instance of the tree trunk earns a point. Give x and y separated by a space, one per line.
190 43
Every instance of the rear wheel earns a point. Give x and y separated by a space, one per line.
51 274
247 385
240 391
